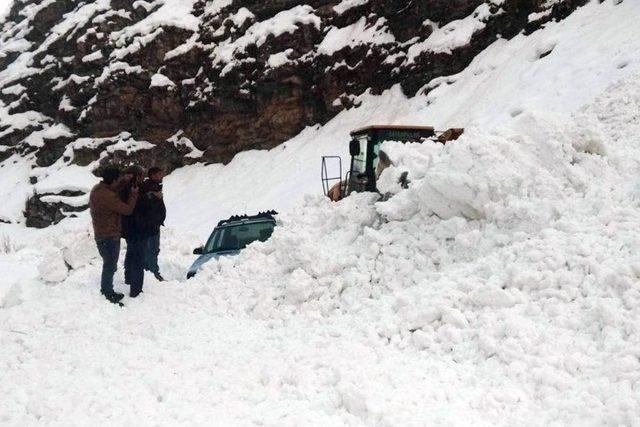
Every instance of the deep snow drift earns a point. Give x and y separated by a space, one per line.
500 288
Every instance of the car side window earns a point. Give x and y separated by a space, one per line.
247 234
238 236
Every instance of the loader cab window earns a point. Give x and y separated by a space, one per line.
360 161
376 154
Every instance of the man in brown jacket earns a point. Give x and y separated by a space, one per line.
106 211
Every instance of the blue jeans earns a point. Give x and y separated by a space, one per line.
134 264
152 249
109 250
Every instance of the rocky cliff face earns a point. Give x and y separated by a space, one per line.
172 82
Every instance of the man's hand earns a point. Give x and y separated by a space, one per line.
158 194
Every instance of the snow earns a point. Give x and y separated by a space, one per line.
135 45
559 82
71 177
279 59
5 7
22 66
76 201
15 191
19 120
345 5
174 13
538 15
65 104
179 140
500 288
94 143
101 18
356 34
515 293
160 80
58 130
95 56
115 67
191 43
13 90
453 35
241 16
214 7
472 98
73 78
283 22
467 182
129 145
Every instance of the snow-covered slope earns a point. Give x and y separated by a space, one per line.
592 49
174 83
501 288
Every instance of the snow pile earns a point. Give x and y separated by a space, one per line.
518 180
512 252
476 177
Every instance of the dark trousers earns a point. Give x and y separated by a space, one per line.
134 264
109 250
151 251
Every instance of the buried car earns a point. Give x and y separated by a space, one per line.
232 235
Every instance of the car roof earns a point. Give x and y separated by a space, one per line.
245 221
268 215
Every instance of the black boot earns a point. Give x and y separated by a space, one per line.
158 277
114 297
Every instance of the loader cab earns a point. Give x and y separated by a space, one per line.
366 159
364 150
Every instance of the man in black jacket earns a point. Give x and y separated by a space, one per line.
156 214
133 231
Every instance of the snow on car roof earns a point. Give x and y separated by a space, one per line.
244 219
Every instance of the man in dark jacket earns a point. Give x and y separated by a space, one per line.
133 227
157 213
106 213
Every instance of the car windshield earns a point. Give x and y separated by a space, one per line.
235 237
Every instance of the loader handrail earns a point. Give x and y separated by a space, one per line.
324 173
